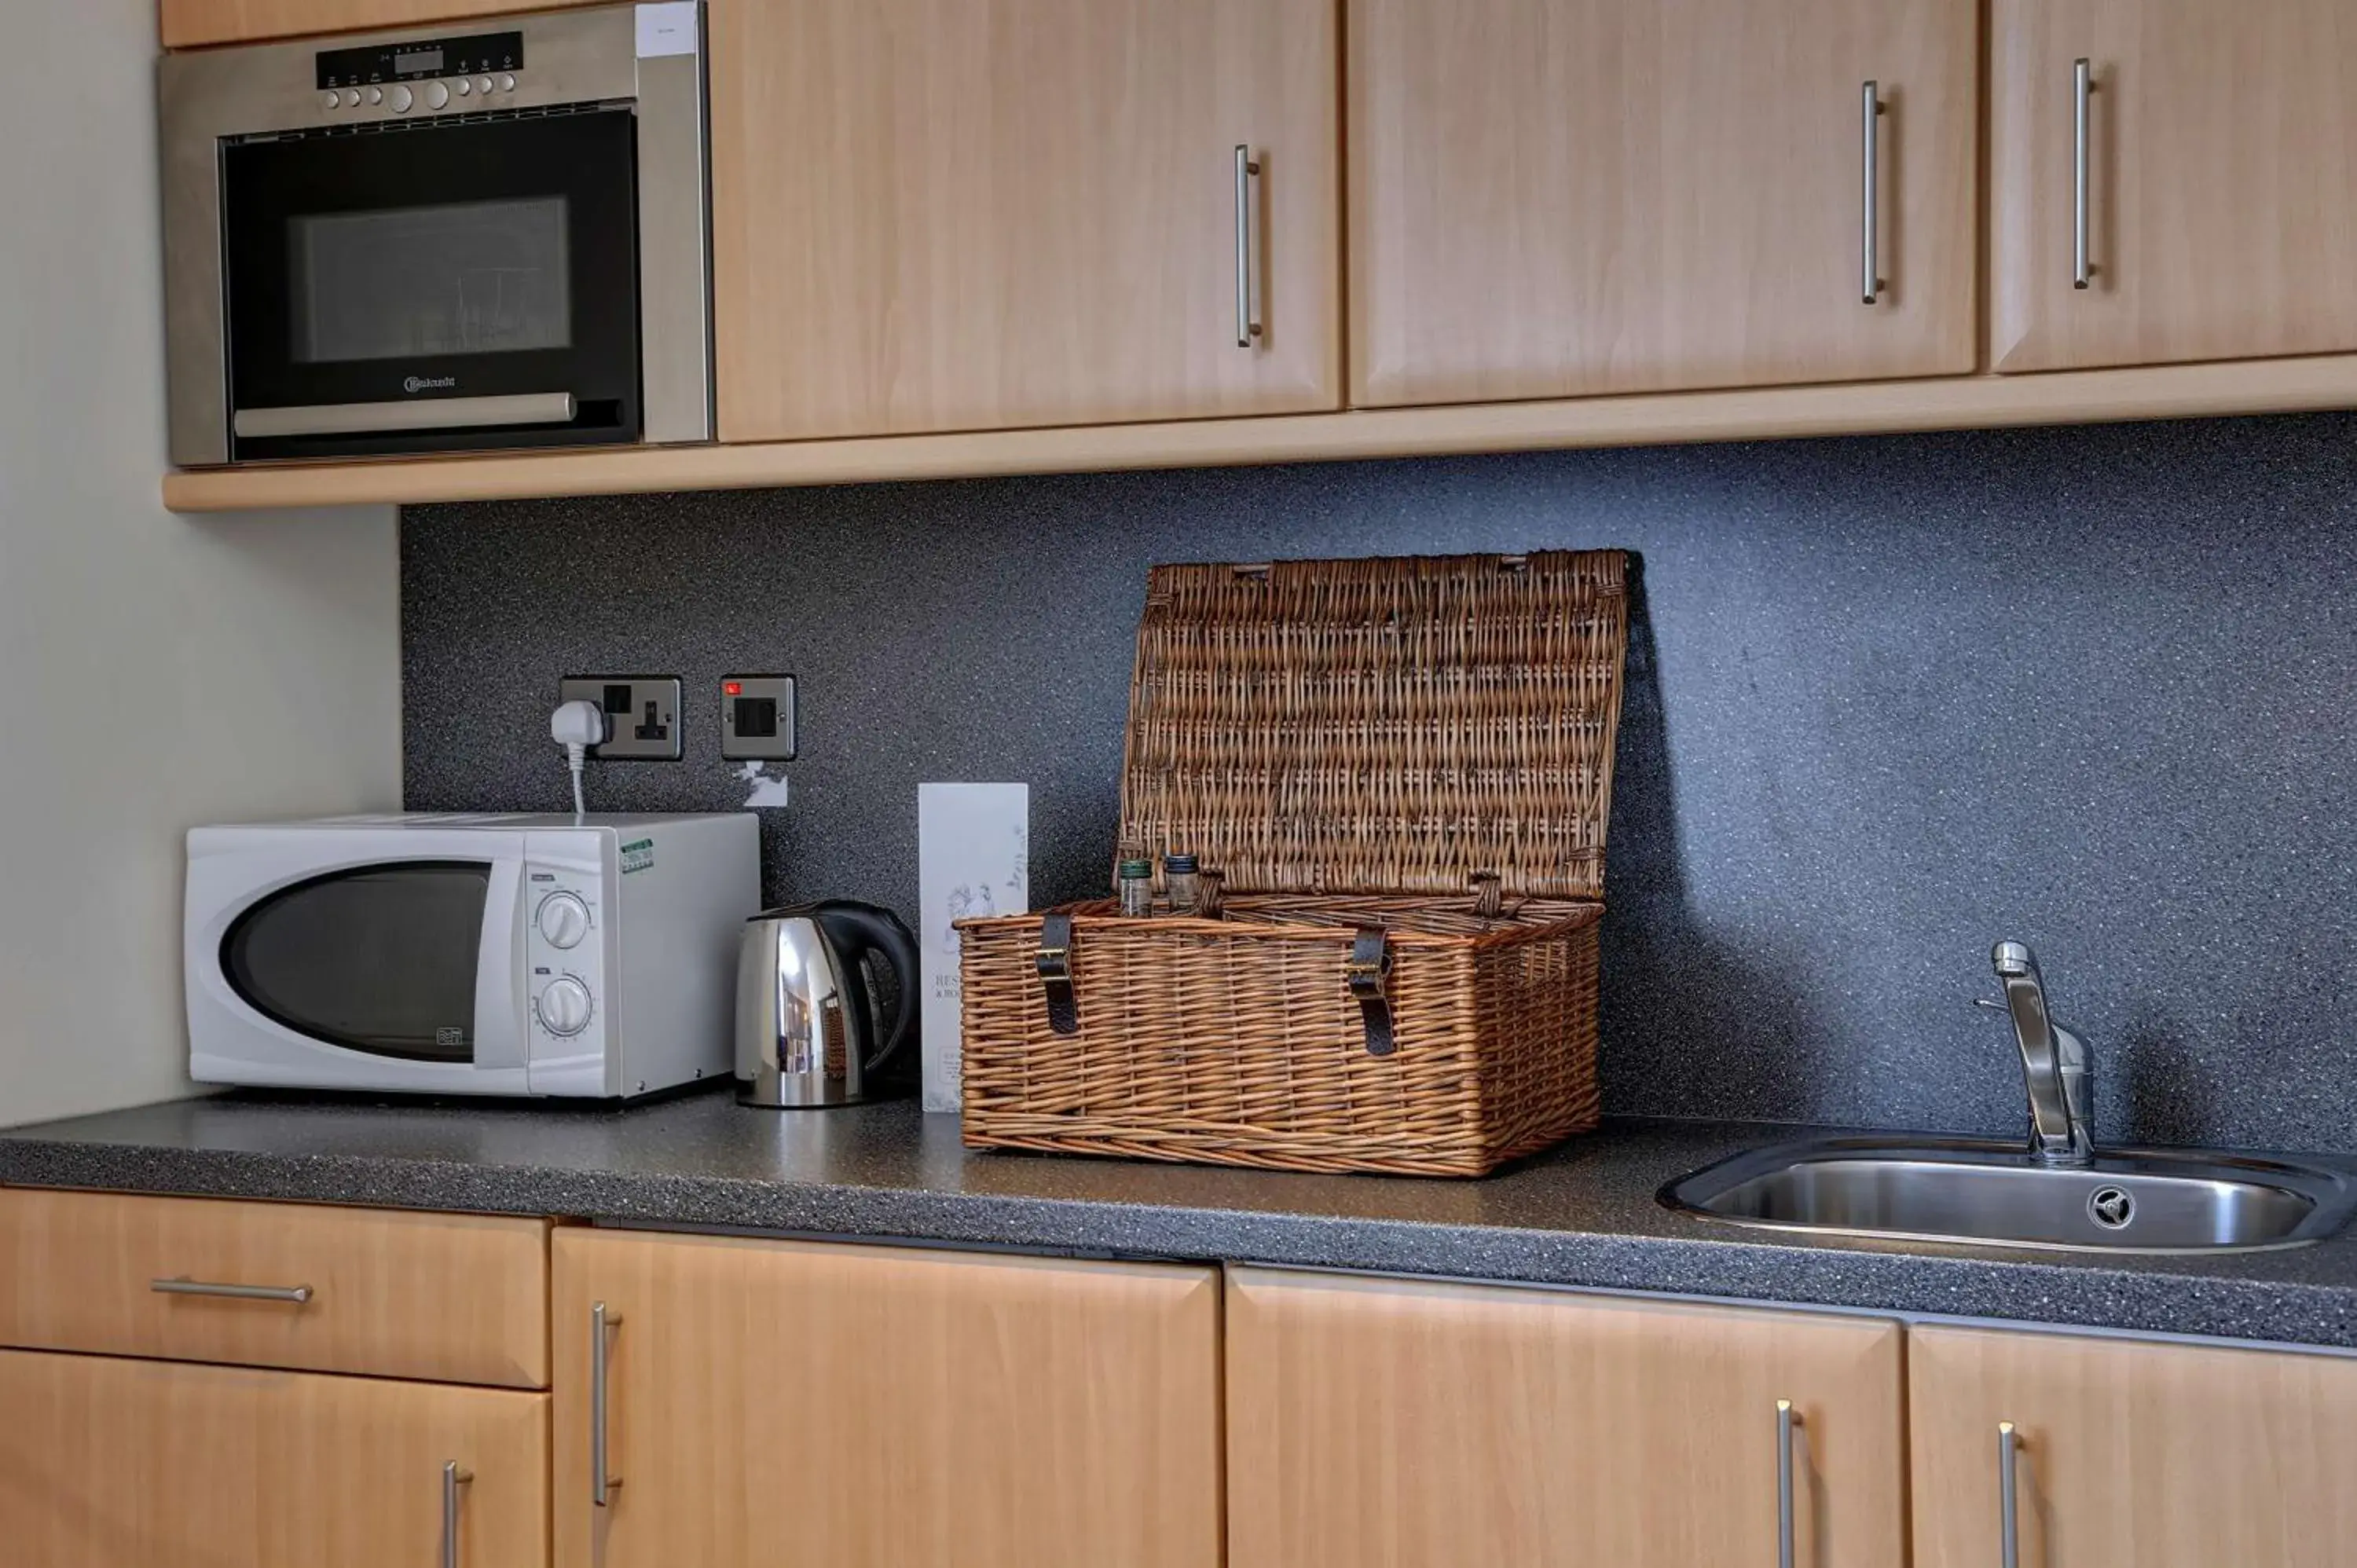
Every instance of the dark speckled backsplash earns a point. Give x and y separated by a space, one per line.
1890 698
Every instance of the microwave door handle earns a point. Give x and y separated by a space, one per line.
501 1026
433 413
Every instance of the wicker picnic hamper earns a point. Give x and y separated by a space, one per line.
1396 776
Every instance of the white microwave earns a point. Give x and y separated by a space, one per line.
468 954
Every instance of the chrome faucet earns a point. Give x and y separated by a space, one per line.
2053 1063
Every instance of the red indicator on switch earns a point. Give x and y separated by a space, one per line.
732 688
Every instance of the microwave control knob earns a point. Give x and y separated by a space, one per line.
465 87
564 919
507 81
335 101
564 1007
437 94
400 99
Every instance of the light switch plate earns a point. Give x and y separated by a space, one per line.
757 718
642 713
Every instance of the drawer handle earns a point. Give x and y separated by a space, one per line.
453 1477
1787 1418
294 1294
2009 1500
601 1481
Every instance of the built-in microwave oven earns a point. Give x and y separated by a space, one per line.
591 957
492 234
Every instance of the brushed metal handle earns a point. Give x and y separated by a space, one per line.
601 1484
2082 88
2008 1500
1870 177
1787 1418
433 413
453 1477
1248 325
294 1294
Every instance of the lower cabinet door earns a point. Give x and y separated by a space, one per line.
107 1463
1428 1426
753 1403
2128 1455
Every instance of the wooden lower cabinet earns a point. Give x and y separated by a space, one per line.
113 1463
2131 1455
1427 1425
775 1403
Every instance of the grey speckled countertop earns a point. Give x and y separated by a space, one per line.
1585 1215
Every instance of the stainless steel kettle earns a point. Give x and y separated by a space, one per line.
806 1030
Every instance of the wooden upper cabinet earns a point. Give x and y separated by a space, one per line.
119 1464
188 23
973 214
2221 181
2131 1456
1427 1425
780 1402
1554 198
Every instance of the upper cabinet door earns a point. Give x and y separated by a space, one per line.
975 214
772 1404
186 23
2218 139
1427 1425
2130 1455
1554 198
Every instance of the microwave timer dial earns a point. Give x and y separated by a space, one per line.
564 919
564 1007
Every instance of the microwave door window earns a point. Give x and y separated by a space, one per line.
409 282
381 960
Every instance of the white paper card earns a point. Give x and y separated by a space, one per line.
668 29
973 858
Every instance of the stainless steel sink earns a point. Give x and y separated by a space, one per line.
1941 1189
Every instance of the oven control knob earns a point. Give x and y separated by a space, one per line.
564 919
376 95
564 1007
507 81
465 87
351 98
335 101
437 94
401 100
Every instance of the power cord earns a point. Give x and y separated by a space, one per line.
577 727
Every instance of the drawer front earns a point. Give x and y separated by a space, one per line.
118 1464
442 1297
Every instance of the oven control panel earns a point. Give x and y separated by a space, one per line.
433 73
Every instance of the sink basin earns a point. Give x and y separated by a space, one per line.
1941 1190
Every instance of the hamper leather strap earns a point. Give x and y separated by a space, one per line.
1055 961
1369 968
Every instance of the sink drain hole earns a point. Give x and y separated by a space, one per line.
2110 1208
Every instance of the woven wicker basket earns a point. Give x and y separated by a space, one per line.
1396 774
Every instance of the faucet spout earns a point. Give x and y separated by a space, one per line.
2054 1065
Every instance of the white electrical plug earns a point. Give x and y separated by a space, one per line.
577 726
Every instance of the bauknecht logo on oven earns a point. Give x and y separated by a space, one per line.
428 383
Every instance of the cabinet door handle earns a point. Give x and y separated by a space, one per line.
2082 88
453 1477
2009 1500
1869 171
601 1483
1787 1418
293 1295
1248 325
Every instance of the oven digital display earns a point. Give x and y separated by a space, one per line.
474 55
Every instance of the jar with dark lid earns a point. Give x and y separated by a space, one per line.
1179 876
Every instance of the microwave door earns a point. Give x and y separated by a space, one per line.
501 1028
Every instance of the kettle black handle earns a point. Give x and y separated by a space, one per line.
858 929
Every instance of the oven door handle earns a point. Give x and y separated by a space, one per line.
433 413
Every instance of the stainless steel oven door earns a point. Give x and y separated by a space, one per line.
330 237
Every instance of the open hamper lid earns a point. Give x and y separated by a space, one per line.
1408 725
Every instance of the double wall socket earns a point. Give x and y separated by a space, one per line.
642 713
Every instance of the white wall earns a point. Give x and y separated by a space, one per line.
155 671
